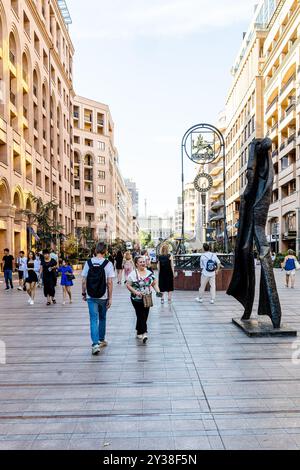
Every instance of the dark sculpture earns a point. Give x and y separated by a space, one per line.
255 204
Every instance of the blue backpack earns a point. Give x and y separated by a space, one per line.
211 266
290 264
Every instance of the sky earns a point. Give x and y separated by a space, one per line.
161 66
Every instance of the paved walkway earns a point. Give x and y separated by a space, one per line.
198 384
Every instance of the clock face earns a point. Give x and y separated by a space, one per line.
203 182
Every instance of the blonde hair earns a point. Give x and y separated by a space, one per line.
164 250
128 256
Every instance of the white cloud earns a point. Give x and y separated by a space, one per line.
142 18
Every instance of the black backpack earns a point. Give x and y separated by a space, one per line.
96 280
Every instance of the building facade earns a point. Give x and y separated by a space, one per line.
95 157
244 117
281 75
264 101
158 227
216 200
36 154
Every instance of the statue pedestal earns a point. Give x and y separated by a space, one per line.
262 328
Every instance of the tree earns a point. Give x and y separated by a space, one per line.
71 247
47 228
145 239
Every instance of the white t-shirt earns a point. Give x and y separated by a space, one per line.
203 263
109 271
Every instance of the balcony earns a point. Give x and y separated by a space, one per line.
88 119
291 80
100 122
76 115
270 106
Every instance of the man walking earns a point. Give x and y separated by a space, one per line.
210 266
8 269
97 288
22 268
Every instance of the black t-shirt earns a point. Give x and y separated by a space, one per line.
8 262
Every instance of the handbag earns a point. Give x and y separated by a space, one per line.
70 276
147 300
297 265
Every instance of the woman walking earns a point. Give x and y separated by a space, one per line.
166 273
119 266
147 259
67 277
139 284
48 269
290 265
128 265
31 278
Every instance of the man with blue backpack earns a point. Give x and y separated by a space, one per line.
97 288
210 266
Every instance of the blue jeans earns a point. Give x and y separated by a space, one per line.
8 277
97 310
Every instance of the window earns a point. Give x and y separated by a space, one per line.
101 160
15 6
26 24
101 175
36 43
102 203
101 145
101 189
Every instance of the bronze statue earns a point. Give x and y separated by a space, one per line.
254 209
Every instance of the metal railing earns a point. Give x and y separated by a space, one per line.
271 104
290 80
192 262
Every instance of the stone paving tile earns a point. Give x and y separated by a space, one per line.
199 382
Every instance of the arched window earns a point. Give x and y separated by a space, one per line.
17 201
88 160
12 49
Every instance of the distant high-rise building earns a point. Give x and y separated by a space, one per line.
132 188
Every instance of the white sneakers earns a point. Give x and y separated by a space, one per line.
95 349
143 337
201 301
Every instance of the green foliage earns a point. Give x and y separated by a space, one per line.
71 248
47 228
145 239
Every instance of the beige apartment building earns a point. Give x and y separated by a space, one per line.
281 75
36 93
101 200
216 202
264 101
244 116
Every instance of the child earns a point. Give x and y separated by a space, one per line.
66 280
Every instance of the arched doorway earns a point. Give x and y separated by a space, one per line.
17 205
4 219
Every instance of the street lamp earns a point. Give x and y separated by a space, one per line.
203 144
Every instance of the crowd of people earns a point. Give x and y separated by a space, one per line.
134 268
40 269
